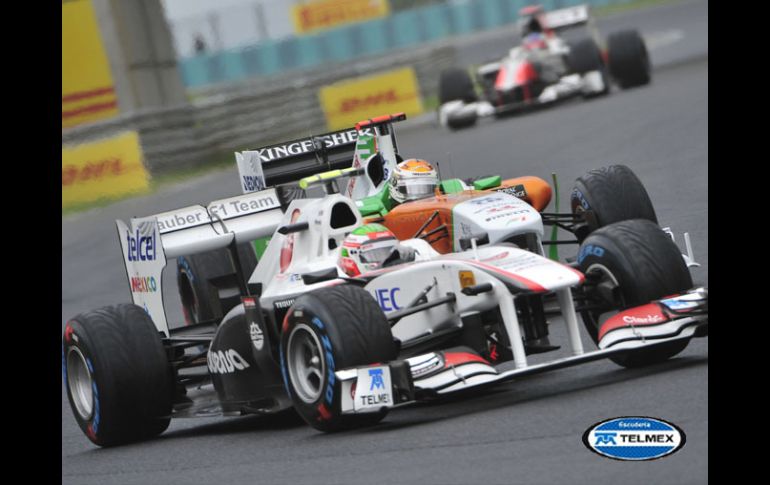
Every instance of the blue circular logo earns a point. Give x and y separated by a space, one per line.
634 438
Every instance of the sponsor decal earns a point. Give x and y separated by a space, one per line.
578 196
649 314
143 284
252 183
283 304
386 297
351 100
647 319
505 215
182 220
632 438
467 279
327 348
315 15
225 361
373 388
141 245
257 337
301 147
517 191
677 304
242 207
590 250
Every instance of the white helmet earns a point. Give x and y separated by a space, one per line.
413 179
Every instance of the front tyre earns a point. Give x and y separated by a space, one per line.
608 195
628 59
325 331
119 382
631 263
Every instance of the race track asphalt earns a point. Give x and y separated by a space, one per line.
528 431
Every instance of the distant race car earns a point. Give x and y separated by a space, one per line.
342 351
545 68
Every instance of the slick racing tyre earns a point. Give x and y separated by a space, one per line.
628 59
199 295
584 56
456 84
607 195
631 263
327 330
119 382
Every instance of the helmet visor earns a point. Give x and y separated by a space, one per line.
416 190
376 251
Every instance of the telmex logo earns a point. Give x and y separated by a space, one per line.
632 438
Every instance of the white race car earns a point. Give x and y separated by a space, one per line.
343 351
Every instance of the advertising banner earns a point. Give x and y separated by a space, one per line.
87 91
318 15
347 102
104 169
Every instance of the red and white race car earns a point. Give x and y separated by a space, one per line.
554 61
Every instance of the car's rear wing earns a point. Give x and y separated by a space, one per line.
565 18
293 160
149 242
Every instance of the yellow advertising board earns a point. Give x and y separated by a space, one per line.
317 15
345 103
87 90
105 169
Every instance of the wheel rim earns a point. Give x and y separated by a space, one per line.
80 383
307 367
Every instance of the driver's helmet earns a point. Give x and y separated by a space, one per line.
413 179
366 248
529 22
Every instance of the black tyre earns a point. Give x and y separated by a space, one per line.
628 59
462 120
200 275
456 84
324 331
119 382
633 262
607 195
584 56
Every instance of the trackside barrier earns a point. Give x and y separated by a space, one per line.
404 29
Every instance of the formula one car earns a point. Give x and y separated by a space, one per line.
208 284
343 351
546 67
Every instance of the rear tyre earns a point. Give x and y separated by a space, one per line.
456 84
607 195
199 295
119 382
632 263
584 56
327 330
628 59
